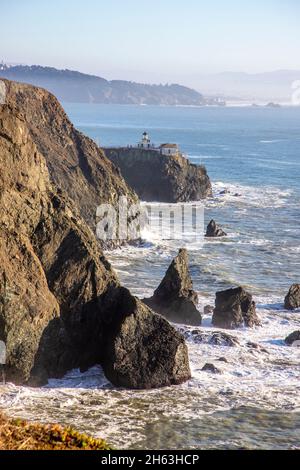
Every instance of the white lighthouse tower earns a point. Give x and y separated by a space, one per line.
145 142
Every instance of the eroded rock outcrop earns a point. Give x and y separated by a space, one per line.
234 308
75 163
142 352
175 298
161 178
292 299
61 304
214 230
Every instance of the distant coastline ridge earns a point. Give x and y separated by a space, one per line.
72 86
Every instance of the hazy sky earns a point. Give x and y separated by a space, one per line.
153 41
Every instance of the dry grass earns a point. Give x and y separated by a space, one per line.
16 434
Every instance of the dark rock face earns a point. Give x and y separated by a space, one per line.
292 299
161 178
293 339
214 230
175 298
75 163
234 308
211 368
145 351
60 300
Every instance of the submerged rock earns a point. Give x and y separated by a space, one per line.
217 338
214 230
223 339
256 347
292 299
223 359
211 368
175 298
293 339
234 308
61 304
161 178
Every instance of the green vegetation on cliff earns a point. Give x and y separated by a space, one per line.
16 434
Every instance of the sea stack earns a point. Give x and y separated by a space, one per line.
214 230
175 298
234 308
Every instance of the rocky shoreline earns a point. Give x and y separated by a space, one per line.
61 304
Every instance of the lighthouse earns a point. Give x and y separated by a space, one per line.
145 141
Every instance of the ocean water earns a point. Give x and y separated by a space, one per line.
253 154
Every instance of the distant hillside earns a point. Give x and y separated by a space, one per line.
71 86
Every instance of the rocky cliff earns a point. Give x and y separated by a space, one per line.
75 163
61 304
161 178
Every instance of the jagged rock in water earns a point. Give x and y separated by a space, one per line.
208 367
59 297
234 308
292 299
75 163
175 298
129 363
293 339
214 230
161 178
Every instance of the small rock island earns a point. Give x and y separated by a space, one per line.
160 173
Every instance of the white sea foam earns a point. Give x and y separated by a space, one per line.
272 141
229 193
265 376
